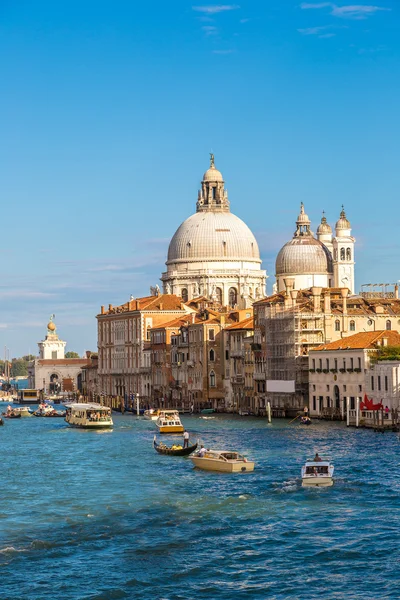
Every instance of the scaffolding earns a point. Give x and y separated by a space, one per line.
290 334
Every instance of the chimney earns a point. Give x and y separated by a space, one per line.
131 305
222 320
316 294
102 310
161 305
193 317
293 295
344 292
396 291
110 307
137 305
327 303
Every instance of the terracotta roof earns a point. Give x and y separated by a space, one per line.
149 303
64 361
246 324
177 322
362 341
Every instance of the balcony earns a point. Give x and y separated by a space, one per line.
259 376
237 353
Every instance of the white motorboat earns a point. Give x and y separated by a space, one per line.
89 416
152 414
224 461
24 411
168 421
317 473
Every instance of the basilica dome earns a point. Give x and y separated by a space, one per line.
303 255
213 236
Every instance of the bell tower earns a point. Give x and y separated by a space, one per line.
343 254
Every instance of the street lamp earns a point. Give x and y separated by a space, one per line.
137 404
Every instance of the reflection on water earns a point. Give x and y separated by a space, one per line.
100 515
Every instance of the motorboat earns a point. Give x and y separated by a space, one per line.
152 414
317 473
207 411
45 410
13 412
89 416
223 461
169 421
174 450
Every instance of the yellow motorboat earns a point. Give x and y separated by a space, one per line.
169 422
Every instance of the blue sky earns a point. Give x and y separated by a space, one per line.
109 111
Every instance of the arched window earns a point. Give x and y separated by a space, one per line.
212 379
352 325
185 295
232 297
212 355
219 295
388 325
337 325
348 254
342 254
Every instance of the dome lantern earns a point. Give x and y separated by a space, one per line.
212 196
303 223
343 223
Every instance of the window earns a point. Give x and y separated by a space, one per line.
54 355
185 295
337 325
352 402
386 383
327 363
372 383
320 363
360 388
213 193
352 363
348 254
342 254
327 388
219 295
211 335
212 379
313 387
232 297
352 325
359 363
314 403
379 383
388 325
345 388
336 364
212 355
313 363
226 354
344 364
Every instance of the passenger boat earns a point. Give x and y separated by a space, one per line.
169 422
223 461
89 416
174 450
317 473
305 421
152 414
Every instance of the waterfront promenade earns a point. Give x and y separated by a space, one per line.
99 515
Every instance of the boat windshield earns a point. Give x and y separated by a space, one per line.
229 455
317 470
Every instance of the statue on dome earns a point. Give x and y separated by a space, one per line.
212 160
167 288
196 289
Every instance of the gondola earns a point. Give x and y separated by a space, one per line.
1 422
305 421
12 416
162 449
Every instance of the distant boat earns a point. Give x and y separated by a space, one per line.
317 473
223 461
174 450
169 422
207 411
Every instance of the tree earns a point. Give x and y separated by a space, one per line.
72 355
387 353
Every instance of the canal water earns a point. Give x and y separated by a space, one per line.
99 515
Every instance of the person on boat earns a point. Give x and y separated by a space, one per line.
317 458
186 439
202 451
305 409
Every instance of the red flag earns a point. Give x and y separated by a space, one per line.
368 404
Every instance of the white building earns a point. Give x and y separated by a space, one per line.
341 372
325 261
51 371
213 253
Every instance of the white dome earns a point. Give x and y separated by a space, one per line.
213 236
212 174
303 254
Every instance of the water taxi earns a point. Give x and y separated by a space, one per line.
317 473
89 416
152 414
168 421
24 411
223 461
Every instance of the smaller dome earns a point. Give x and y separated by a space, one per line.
51 326
343 222
303 255
324 227
212 174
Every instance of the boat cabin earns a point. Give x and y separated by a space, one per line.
89 415
28 397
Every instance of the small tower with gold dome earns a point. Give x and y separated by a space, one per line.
51 348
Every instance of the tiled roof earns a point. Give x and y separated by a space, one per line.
177 322
246 324
362 341
148 303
